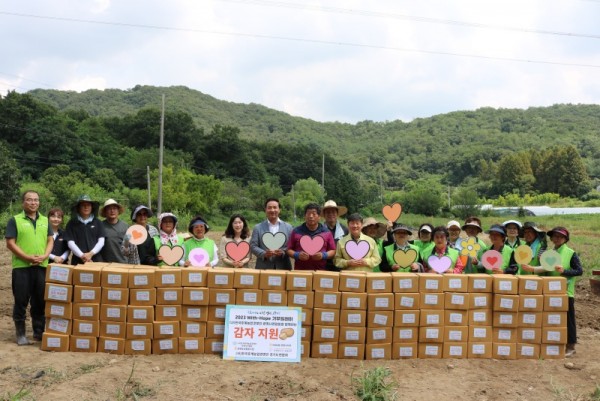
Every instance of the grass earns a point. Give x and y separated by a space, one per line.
375 385
133 389
18 396
595 396
563 394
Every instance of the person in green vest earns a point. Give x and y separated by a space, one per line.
570 268
375 230
454 230
30 238
472 228
498 238
425 241
168 236
198 228
388 263
442 249
535 238
513 232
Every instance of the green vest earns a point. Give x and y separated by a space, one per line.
32 241
158 244
506 254
535 261
470 268
389 254
452 253
423 246
566 254
205 243
379 243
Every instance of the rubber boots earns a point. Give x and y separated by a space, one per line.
20 333
38 325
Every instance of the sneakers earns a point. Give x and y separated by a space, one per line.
570 351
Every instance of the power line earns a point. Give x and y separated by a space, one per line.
303 40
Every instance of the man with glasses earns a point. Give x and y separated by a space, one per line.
30 239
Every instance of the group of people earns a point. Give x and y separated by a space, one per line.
362 245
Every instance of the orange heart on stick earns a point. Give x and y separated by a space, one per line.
138 234
392 212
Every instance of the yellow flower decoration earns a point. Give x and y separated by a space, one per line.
470 247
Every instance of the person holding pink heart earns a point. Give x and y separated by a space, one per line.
498 238
356 251
401 245
237 231
441 258
198 228
168 237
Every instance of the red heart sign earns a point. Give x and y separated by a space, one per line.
237 251
491 260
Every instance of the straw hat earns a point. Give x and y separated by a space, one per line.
330 204
381 228
110 202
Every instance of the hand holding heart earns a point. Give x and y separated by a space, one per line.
137 234
492 260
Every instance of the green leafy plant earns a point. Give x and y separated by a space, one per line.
375 385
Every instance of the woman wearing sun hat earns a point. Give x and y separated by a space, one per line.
498 237
388 264
570 268
454 230
198 227
375 230
167 236
425 241
84 232
145 253
535 238
513 231
472 228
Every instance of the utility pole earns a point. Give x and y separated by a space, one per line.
149 194
160 154
323 173
449 197
381 186
293 203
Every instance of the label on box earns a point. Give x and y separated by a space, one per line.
194 278
170 295
479 316
197 295
113 312
326 282
330 299
504 334
406 351
528 318
377 353
142 296
382 302
406 334
552 350
275 298
328 316
454 283
554 286
219 329
82 343
249 297
431 299
530 303
138 345
223 298
274 281
86 278
556 302
168 279
431 350
60 325
526 350
409 318
506 319
59 273
455 335
405 283
302 299
458 299
190 344
431 284
456 317
352 336
351 351
140 314
220 313
505 285
478 349
194 313
325 349
407 302
479 284
432 333
140 280
433 319
353 302
380 319
503 350
327 333
528 334
111 345
193 328
299 282
352 282
378 284
170 312
114 279
217 346
221 279
554 319
455 350
59 310
88 295
166 329
114 295
113 329
85 327
506 303
247 279
139 330
479 333
531 285
553 336
53 342
480 301
354 318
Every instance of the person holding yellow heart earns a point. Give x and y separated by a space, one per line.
389 261
535 238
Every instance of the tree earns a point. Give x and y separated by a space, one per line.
562 171
514 174
465 203
423 196
306 191
9 177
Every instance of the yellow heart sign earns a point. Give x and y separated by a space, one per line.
523 254
405 258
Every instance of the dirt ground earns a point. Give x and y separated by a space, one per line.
28 373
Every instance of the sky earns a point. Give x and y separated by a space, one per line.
328 60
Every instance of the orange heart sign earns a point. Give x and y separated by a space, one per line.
405 258
137 234
171 256
392 212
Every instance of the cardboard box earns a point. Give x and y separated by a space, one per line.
430 351
85 311
248 297
88 295
306 333
407 300
273 280
528 351
530 319
195 296
83 343
165 330
57 325
114 346
506 303
430 282
481 300
432 300
221 296
405 335
142 296
404 350
432 334
217 313
481 282
138 347
456 317
349 334
189 345
87 274
59 309
405 282
140 314
531 303
379 283
246 278
87 328
481 317
115 296
479 350
326 317
505 319
167 313
356 318
378 351
168 277
192 329
384 318
554 335
407 318
194 277
59 273
456 350
506 351
552 351
114 277
113 313
141 278
504 335
458 334
456 300
169 296
325 333
139 330
299 280
55 342
307 316
353 282
324 350
556 303
303 299
113 329
351 351
529 335
380 301
305 349
354 300
554 319
196 313
430 317
221 278
531 285
326 281
327 299
213 346
455 283
554 285
59 293
506 284
274 298
480 334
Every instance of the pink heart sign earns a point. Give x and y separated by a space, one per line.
439 264
237 251
198 257
171 256
491 260
312 245
357 250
